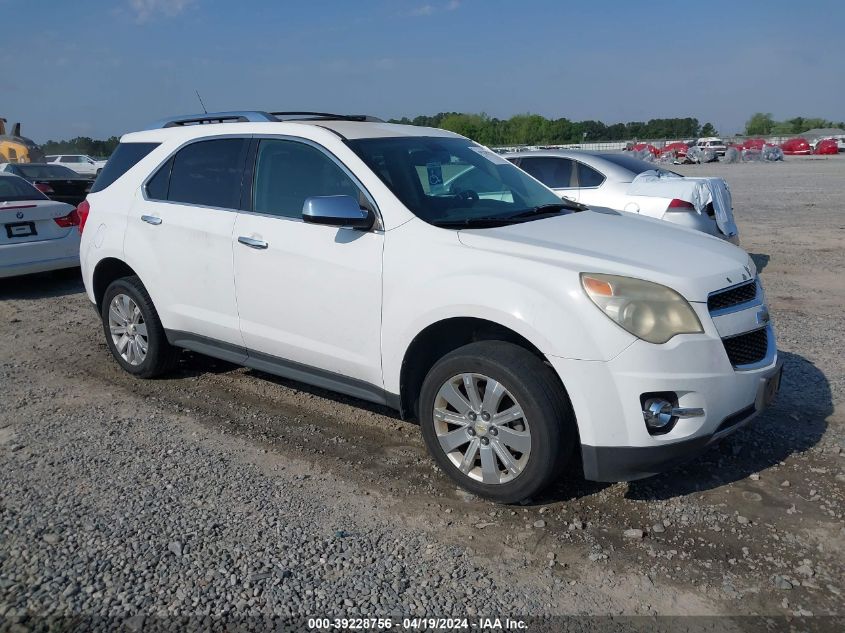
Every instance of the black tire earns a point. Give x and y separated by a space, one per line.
536 388
161 357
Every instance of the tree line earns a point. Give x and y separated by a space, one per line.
81 145
763 124
533 129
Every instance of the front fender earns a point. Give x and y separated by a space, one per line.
541 302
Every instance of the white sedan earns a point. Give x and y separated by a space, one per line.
624 183
36 233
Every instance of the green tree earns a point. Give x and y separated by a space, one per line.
474 126
708 129
760 124
809 124
783 128
527 129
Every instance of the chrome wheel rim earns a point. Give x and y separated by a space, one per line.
482 428
128 329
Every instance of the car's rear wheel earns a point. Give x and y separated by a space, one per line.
496 420
134 333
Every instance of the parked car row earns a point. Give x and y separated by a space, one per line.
714 148
798 146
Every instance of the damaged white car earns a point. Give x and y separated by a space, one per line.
624 183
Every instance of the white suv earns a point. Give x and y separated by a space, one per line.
714 144
412 267
80 163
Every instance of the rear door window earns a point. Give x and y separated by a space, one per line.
208 173
124 158
556 173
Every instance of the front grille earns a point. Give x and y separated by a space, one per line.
743 293
747 348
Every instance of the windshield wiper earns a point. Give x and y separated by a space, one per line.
476 222
544 209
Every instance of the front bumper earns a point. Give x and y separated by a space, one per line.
606 397
627 463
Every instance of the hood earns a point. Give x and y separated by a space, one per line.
690 262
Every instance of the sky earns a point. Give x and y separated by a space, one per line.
100 68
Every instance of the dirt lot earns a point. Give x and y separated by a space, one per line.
223 491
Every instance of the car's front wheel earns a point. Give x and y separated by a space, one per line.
134 333
496 420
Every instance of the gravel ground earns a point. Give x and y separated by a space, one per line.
228 493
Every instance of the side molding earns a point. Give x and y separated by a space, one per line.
285 368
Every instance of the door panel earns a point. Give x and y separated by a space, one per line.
186 263
312 296
179 238
307 293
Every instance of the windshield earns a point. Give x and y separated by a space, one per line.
14 189
449 181
45 171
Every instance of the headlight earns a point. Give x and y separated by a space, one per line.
647 310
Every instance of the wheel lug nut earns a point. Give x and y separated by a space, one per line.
494 431
472 416
471 432
485 416
484 441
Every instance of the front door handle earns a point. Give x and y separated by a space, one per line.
253 243
151 219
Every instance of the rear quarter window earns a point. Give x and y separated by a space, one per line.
124 158
589 177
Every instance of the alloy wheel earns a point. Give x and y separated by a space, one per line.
482 428
128 329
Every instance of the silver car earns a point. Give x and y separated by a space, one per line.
36 233
625 183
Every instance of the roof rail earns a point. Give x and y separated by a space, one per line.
326 116
214 117
256 116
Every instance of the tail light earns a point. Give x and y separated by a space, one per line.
680 205
82 214
69 220
43 187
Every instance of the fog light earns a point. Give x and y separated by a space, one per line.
657 414
660 415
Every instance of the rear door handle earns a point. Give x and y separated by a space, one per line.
151 219
253 243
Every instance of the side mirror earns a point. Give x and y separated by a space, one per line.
340 211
